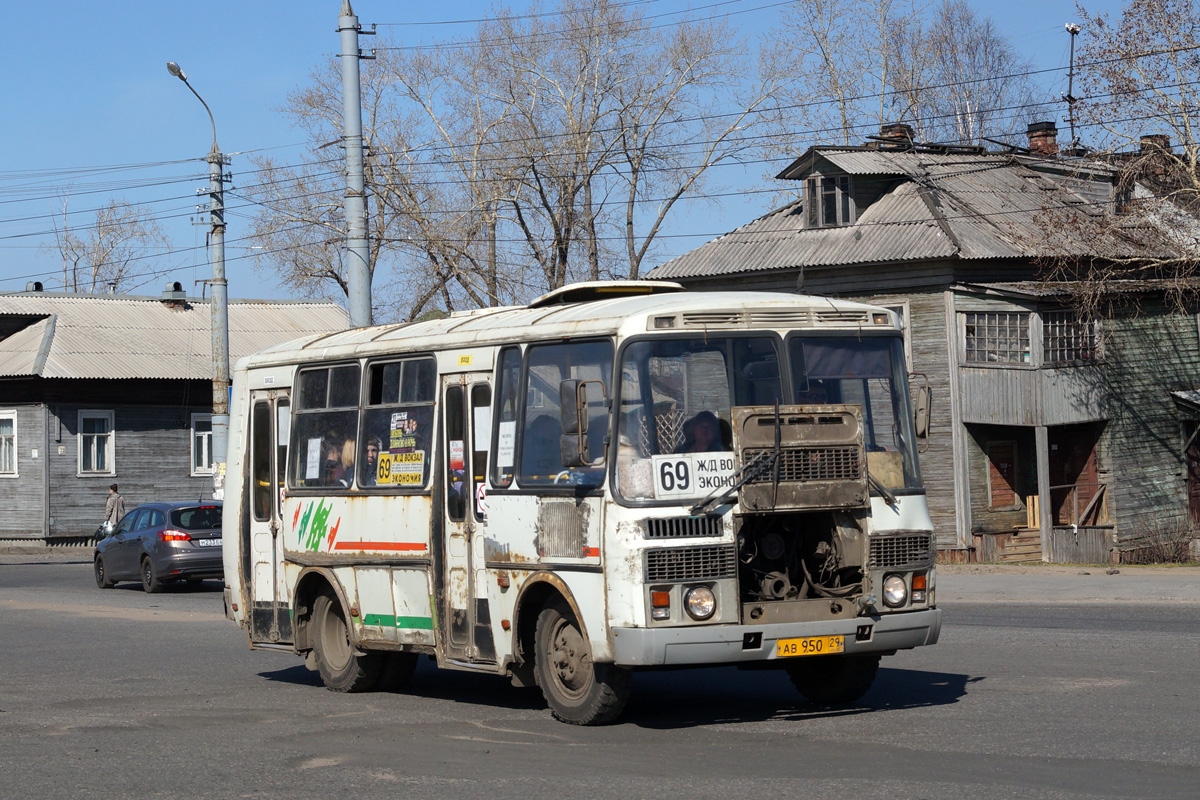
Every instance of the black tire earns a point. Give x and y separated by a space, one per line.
151 583
102 579
340 668
577 690
833 680
398 669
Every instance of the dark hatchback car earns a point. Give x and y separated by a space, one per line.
156 543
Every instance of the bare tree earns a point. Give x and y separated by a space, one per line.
946 70
1139 98
544 149
111 251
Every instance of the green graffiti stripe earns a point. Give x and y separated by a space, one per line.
389 621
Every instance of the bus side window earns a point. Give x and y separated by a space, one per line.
548 365
326 421
481 435
508 402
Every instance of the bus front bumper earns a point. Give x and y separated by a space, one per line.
728 644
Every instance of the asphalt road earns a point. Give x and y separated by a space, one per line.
122 694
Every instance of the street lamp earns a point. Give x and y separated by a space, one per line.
220 299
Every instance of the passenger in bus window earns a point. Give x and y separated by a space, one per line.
332 471
703 433
347 463
370 467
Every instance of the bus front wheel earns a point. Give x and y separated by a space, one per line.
578 690
341 669
833 680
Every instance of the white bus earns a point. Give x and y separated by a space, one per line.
616 476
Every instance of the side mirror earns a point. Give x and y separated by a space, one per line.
573 409
921 409
572 406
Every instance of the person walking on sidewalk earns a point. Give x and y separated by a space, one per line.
114 508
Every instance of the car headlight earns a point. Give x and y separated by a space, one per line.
895 591
700 602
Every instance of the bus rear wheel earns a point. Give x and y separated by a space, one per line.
578 690
833 680
341 669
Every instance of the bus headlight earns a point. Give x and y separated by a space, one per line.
700 602
895 591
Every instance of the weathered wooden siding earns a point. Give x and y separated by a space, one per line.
1026 396
22 497
928 345
152 456
1147 356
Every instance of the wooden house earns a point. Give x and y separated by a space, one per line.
1055 437
103 389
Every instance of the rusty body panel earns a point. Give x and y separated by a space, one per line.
821 461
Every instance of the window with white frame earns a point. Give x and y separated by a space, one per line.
1068 338
996 337
202 452
901 311
96 442
8 442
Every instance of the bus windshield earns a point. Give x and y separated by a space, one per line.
675 398
869 372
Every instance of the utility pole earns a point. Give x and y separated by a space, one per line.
219 307
1072 29
358 252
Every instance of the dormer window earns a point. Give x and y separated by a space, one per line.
828 201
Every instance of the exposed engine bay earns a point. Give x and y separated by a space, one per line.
800 556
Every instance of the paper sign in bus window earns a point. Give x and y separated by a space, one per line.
312 461
402 469
690 475
506 444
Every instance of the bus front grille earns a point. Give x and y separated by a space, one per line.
681 527
889 552
807 464
691 564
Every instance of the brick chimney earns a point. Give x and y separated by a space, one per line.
1156 143
895 136
1043 139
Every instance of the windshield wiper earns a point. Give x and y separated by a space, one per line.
742 476
878 486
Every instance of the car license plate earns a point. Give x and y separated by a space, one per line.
208 542
810 646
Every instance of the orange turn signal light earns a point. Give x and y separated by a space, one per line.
918 582
660 599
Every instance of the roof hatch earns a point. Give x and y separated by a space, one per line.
603 290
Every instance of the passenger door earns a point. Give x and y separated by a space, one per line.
466 620
270 415
121 557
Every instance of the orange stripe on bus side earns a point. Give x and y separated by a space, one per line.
379 546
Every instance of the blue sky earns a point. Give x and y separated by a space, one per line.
85 85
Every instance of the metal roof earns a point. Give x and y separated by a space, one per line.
627 315
124 337
959 206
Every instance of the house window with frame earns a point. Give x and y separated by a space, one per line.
996 337
1067 338
828 201
96 443
8 443
202 453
